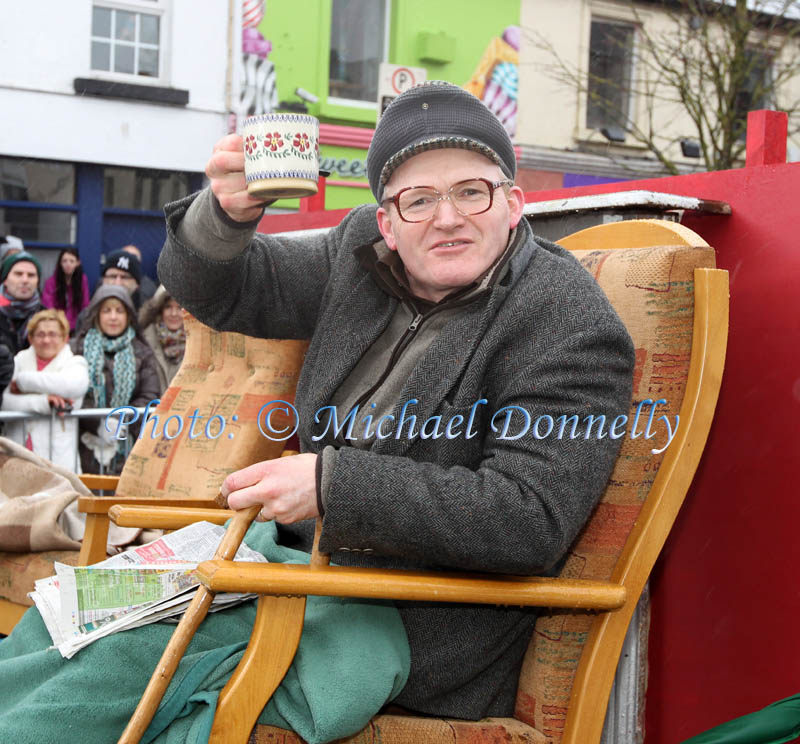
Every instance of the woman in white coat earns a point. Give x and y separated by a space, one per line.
47 376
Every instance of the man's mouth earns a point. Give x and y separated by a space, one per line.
450 243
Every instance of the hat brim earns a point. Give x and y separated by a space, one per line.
437 143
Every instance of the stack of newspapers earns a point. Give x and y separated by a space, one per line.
143 585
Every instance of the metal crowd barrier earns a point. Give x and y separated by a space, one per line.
55 419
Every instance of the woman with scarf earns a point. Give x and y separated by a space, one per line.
122 372
68 288
47 376
161 321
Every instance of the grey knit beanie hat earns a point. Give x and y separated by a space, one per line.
432 116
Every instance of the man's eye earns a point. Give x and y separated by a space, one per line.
419 201
468 192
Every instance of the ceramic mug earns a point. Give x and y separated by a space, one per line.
281 155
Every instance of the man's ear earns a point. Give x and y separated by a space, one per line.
385 226
516 203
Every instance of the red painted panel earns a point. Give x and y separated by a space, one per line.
725 593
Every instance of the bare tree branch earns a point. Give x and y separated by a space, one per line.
714 60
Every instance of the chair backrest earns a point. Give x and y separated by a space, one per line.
659 277
217 413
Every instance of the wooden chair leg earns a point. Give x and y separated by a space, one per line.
95 537
273 644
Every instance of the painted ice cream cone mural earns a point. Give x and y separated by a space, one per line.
259 90
496 78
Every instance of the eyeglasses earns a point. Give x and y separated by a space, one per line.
470 197
111 276
41 335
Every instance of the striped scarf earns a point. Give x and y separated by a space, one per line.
95 347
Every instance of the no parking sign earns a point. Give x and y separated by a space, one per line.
394 79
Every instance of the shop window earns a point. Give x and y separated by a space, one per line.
38 225
22 179
127 39
144 190
37 200
359 43
608 101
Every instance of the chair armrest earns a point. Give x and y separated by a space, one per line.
95 537
373 583
102 504
99 482
165 517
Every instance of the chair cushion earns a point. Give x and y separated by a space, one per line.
224 375
18 571
395 729
652 291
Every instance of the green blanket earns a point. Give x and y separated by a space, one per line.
779 722
353 658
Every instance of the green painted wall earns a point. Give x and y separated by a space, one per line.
455 30
471 23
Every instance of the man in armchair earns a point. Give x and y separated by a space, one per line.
438 325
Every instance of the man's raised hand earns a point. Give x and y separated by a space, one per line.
225 170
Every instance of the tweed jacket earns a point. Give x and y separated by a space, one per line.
544 339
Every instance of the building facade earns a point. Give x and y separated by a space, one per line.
109 110
592 92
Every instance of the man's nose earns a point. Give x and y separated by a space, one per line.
446 214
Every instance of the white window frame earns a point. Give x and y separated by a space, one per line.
352 102
159 8
607 12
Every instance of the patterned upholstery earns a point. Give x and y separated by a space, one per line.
223 374
412 730
652 290
18 571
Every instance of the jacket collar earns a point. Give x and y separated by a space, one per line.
388 272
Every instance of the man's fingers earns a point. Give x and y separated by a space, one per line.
231 142
224 162
241 498
244 478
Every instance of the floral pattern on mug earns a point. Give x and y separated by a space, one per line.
301 142
250 144
273 141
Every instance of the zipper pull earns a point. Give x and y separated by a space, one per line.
415 323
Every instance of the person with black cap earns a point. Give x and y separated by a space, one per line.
431 316
19 298
123 268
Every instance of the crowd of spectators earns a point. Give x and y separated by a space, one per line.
62 349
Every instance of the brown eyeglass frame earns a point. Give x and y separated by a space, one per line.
493 186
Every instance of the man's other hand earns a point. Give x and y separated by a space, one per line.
225 170
286 486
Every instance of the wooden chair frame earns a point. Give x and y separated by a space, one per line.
614 601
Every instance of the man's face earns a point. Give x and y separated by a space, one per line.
450 250
118 276
22 280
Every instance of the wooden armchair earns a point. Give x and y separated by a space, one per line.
660 278
224 377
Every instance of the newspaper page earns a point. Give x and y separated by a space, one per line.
145 584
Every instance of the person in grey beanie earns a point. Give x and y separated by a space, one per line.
432 316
